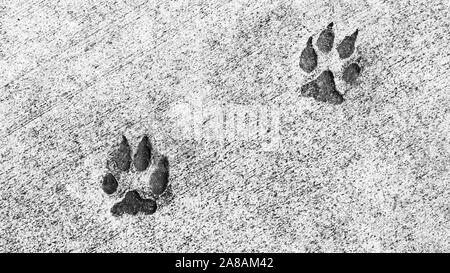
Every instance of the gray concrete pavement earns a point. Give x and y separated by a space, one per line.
371 174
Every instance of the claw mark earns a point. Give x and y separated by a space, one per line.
347 46
326 39
308 58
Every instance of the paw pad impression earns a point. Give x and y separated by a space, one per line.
133 203
323 88
160 177
122 156
143 154
325 41
346 48
308 58
109 183
351 73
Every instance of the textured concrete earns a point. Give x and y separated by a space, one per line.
370 174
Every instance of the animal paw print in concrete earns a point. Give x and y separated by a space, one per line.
323 88
121 163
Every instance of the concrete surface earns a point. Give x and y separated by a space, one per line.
371 174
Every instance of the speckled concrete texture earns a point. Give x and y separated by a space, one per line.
254 166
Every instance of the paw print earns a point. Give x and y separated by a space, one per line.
323 88
120 162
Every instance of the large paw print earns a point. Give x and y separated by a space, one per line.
120 162
323 88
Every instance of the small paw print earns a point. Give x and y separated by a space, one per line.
323 88
119 164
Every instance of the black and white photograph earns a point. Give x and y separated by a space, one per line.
225 126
